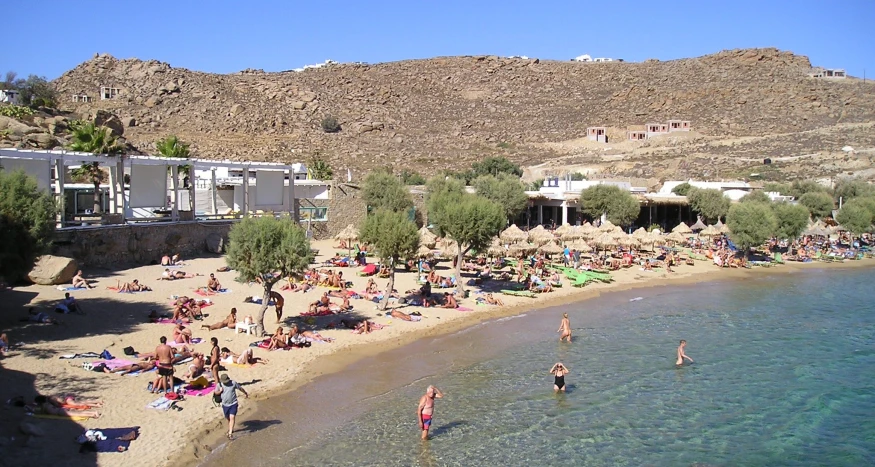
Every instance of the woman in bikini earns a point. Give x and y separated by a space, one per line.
229 322
559 371
278 340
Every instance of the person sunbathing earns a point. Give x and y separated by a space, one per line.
315 336
320 305
69 402
278 340
342 245
169 275
130 287
143 366
42 405
401 315
450 301
80 282
229 322
246 358
4 344
181 334
491 300
170 260
213 284
68 305
372 287
39 317
196 366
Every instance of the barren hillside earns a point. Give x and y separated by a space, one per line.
445 112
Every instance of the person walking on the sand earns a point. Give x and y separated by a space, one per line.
227 390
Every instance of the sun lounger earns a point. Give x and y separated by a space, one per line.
520 293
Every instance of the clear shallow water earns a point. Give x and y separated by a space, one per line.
784 375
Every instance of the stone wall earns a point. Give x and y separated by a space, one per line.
133 244
345 207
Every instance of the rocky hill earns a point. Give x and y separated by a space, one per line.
427 115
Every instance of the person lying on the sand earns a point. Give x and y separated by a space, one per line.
79 281
450 300
321 305
4 344
404 316
229 322
68 305
196 366
169 275
181 334
67 401
129 287
41 405
39 317
492 300
315 336
143 366
342 245
245 358
296 287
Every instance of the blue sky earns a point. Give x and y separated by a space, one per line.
51 36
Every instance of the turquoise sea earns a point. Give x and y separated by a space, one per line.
784 374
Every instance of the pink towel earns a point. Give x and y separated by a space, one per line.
464 308
165 321
113 364
190 391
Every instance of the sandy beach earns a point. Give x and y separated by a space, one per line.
114 321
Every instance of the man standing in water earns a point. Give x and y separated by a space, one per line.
426 409
564 328
681 355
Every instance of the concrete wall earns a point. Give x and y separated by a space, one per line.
123 245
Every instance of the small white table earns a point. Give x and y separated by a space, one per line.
242 326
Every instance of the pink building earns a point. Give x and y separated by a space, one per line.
678 125
637 135
655 129
597 133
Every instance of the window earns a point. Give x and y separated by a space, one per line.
314 214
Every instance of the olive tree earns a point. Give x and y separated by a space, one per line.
856 215
682 190
470 220
382 190
27 223
394 236
850 188
619 205
711 204
266 250
506 190
756 197
818 203
751 224
792 219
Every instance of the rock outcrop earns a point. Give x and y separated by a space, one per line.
53 270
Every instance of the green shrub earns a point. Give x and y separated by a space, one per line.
15 111
330 124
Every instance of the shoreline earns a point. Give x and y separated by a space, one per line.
196 453
116 321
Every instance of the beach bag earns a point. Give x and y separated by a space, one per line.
106 355
129 351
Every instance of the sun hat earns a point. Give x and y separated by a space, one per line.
224 379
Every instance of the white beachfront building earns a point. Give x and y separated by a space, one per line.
558 201
734 190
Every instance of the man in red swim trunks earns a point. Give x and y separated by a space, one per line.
426 409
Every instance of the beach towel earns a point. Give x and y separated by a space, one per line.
78 418
80 355
165 321
464 308
162 403
204 293
368 270
116 289
261 344
69 288
258 300
107 439
196 340
519 293
139 372
199 390
317 313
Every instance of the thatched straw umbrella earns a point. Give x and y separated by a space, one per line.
628 241
723 228
520 249
588 231
709 232
538 230
676 237
513 234
580 245
640 233
348 235
657 239
426 237
606 227
551 248
540 237
572 233
699 225
618 233
563 229
496 249
605 240
448 248
424 251
682 228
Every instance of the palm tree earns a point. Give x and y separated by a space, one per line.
172 146
319 169
97 140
